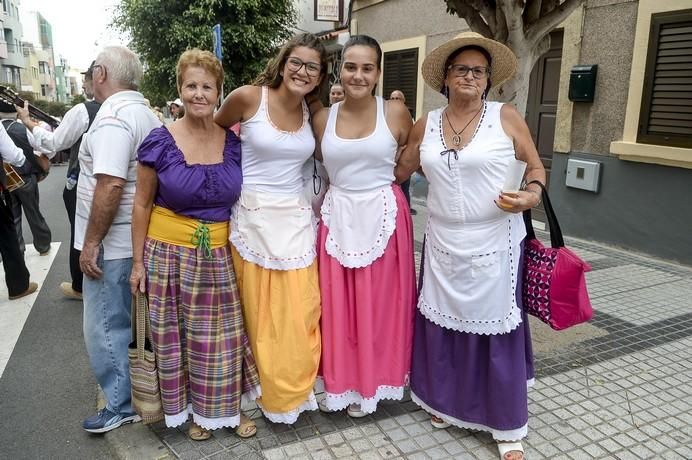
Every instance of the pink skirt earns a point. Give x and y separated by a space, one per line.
367 320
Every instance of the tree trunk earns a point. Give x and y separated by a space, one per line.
516 90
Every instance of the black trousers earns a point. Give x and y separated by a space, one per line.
405 186
70 199
16 273
26 198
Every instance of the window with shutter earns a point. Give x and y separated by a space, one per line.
666 112
401 72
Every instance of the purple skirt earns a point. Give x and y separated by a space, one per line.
474 381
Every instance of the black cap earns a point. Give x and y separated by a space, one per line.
89 72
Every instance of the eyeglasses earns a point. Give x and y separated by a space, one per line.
294 65
461 70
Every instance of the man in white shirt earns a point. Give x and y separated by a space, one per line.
16 273
105 196
68 135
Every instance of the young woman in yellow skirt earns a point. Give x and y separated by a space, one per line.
272 227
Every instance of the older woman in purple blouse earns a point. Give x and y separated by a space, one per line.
188 178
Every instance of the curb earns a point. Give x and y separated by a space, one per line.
137 442
134 441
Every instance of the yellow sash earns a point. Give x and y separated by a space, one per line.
172 228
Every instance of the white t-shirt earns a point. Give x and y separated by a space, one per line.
110 148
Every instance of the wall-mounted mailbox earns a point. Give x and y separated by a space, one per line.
583 174
582 83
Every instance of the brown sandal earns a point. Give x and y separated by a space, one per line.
247 427
197 433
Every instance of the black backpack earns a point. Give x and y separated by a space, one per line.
17 132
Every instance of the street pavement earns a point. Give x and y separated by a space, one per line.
46 388
618 387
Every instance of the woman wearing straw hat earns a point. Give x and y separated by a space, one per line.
472 356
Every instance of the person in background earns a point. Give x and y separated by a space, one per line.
272 230
68 135
26 199
365 242
188 178
105 197
176 109
158 113
406 185
336 93
16 273
472 356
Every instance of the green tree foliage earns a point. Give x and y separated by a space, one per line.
27 96
78 99
57 109
161 30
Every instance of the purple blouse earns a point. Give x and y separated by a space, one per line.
201 191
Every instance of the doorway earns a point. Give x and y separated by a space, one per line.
541 107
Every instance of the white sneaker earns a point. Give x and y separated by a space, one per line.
354 411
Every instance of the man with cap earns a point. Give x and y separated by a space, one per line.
68 135
16 273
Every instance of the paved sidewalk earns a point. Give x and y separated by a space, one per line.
619 387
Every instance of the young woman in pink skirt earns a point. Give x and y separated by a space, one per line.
365 242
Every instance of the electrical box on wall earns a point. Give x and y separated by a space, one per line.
582 83
583 174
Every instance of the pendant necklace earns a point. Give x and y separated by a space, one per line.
456 138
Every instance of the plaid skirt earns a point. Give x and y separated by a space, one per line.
204 358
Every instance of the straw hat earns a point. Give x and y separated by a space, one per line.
502 68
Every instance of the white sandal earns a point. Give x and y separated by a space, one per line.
355 411
322 405
506 447
437 422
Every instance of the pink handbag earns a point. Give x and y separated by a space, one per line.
554 288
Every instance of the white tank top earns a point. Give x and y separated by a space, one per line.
272 222
359 164
360 207
272 159
472 248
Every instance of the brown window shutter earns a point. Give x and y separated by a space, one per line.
666 112
401 72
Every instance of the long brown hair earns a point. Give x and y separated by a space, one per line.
271 75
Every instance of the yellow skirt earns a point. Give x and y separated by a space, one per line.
281 309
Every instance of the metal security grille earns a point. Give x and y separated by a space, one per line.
401 72
666 112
